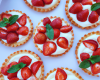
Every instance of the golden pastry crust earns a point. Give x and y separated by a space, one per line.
71 42
41 9
16 44
22 52
74 23
78 45
73 71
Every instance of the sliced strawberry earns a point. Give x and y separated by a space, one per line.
62 42
12 27
56 33
41 29
86 2
83 15
4 70
76 8
26 60
75 1
15 78
98 11
47 1
22 20
11 75
46 21
56 23
33 77
97 1
95 68
12 63
5 15
93 17
98 39
84 56
12 37
3 34
37 3
97 52
40 38
91 44
66 29
26 73
60 74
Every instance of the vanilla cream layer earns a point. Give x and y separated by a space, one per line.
17 57
46 6
59 50
82 48
86 23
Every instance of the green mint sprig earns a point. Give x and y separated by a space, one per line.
95 6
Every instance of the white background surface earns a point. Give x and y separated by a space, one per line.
67 60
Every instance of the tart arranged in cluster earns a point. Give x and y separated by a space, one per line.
42 5
15 28
22 65
83 13
53 36
63 74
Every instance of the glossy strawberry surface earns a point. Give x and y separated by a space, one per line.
5 15
87 2
11 75
41 29
46 21
12 63
97 52
84 56
98 39
56 33
3 34
4 70
47 1
66 29
77 1
15 78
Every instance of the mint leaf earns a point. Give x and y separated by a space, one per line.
3 24
6 20
49 31
95 6
15 68
13 19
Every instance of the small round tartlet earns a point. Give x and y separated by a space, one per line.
21 56
49 47
80 14
42 5
26 23
67 74
87 49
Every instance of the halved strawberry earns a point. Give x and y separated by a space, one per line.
23 30
33 77
98 39
26 60
84 56
97 52
15 78
12 37
12 63
12 75
76 8
91 44
4 70
66 29
60 74
83 15
56 33
49 48
93 17
74 1
56 23
98 11
41 29
40 38
3 34
5 15
97 1
62 42
26 73
47 1
35 66
86 2
46 21
12 27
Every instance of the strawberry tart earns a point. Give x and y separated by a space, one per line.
83 13
22 65
88 53
53 36
42 5
16 28
63 74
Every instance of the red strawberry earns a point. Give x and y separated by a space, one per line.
26 73
98 39
97 52
40 38
15 78
49 48
12 63
86 2
35 66
62 42
56 23
5 15
66 29
97 1
13 27
74 1
93 17
84 56
47 1
3 34
26 60
95 68
56 33
98 11
60 74
76 8
91 44
37 3
22 20
23 30
46 21
82 15
41 29
4 70
33 77
11 75
12 37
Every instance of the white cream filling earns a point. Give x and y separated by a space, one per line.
16 58
83 24
59 50
46 6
